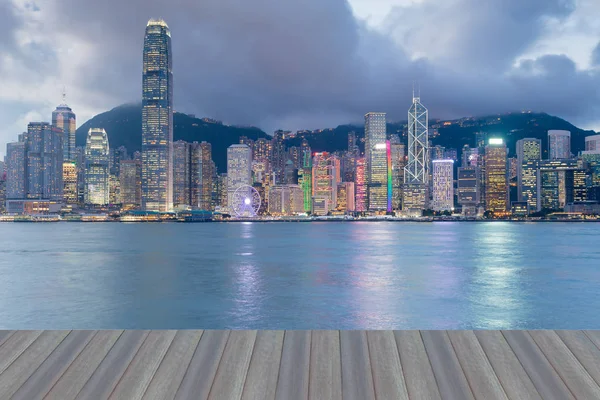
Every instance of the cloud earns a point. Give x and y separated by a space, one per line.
292 64
596 56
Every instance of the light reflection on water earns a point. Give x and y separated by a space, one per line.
300 276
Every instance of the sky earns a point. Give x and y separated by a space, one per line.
305 64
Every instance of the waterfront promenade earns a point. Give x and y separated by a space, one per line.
292 365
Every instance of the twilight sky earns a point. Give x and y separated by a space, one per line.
302 64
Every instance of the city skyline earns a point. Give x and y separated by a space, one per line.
514 71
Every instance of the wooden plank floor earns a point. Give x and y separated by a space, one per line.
269 365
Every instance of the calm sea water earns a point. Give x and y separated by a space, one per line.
371 275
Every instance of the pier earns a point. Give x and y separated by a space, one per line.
362 365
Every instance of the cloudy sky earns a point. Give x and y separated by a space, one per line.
298 64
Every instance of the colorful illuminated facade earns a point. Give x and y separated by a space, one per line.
496 183
389 176
376 161
360 185
326 176
70 182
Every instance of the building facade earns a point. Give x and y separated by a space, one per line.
496 183
416 174
529 154
70 183
239 169
376 161
131 184
443 185
97 170
181 174
360 185
559 145
326 176
64 118
468 187
157 118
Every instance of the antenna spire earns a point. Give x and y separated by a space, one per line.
64 95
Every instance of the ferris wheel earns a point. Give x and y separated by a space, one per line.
246 202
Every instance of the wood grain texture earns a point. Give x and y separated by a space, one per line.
325 366
584 349
481 376
573 374
141 369
515 381
113 366
231 374
199 377
418 374
357 376
293 379
172 369
542 374
48 373
448 372
594 336
261 380
14 346
4 335
388 378
82 368
22 368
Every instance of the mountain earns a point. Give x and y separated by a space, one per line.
123 126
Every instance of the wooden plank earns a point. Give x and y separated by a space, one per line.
231 374
357 378
418 374
325 381
544 377
42 380
22 368
584 349
294 370
199 377
141 369
515 381
4 335
80 370
172 369
261 380
107 375
14 346
594 336
388 378
448 373
481 376
566 365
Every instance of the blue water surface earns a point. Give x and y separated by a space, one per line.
328 275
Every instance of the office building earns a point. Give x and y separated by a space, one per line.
181 174
16 183
468 188
157 118
44 161
376 161
443 185
239 169
345 197
326 176
552 183
305 179
278 157
64 118
70 183
285 200
97 154
203 173
416 174
130 180
529 153
559 145
360 185
592 143
496 183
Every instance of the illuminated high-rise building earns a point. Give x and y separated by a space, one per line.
326 176
64 118
559 145
496 183
592 143
157 118
376 161
529 153
97 154
345 197
70 182
552 183
416 174
44 161
468 187
16 181
360 185
278 157
305 180
398 158
205 175
239 169
131 184
443 185
181 173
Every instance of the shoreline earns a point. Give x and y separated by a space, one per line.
303 221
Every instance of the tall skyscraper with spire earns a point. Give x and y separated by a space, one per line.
64 118
416 174
157 118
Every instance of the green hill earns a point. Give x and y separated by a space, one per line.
123 125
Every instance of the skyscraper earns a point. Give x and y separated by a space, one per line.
278 157
552 183
64 118
181 173
416 174
239 169
157 118
206 172
496 183
529 153
44 165
592 143
131 185
559 145
468 188
326 176
16 183
97 154
398 154
376 161
360 185
443 185
70 182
